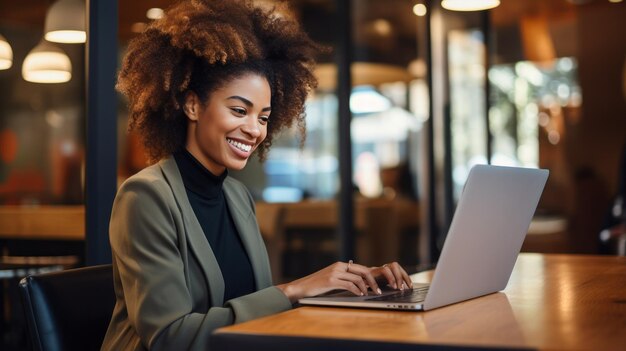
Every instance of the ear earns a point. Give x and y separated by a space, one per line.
192 106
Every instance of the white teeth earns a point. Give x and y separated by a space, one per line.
240 146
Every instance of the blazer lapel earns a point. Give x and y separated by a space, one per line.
193 231
247 226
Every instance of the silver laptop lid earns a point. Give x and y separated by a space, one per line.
489 226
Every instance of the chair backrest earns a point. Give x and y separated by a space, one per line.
69 310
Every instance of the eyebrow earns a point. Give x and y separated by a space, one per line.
247 102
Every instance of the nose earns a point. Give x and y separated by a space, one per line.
251 127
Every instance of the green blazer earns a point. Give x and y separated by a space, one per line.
168 285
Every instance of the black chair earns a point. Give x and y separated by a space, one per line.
68 310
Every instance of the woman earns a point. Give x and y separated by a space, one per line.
208 84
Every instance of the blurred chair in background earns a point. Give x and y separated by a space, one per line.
68 310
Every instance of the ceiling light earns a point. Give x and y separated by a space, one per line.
154 13
47 63
65 22
6 54
469 5
419 10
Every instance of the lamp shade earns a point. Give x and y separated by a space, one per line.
65 22
6 54
469 5
46 63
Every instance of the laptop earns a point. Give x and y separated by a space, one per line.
486 234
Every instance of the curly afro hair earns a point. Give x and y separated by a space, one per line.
199 45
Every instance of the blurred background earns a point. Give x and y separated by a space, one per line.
430 92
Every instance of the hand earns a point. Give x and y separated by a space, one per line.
347 276
394 274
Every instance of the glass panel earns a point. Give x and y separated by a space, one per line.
41 124
293 174
42 154
386 74
466 59
389 103
528 100
557 102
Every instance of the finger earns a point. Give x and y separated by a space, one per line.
366 274
395 268
407 279
355 279
346 285
388 273
344 282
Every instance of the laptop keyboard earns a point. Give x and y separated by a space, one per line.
410 295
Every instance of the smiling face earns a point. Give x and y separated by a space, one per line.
223 132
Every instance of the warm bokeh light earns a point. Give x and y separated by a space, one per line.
65 22
419 10
469 5
47 64
382 27
154 13
67 36
554 137
6 54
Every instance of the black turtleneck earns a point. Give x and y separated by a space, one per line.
207 199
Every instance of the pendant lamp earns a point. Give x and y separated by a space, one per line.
6 54
65 22
469 5
47 63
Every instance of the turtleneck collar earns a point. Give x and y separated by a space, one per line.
196 177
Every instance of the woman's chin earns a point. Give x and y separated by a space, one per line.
237 165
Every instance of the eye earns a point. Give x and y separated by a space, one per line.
264 119
239 110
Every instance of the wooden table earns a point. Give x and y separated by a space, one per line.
42 222
552 302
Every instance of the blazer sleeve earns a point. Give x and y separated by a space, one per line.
145 224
